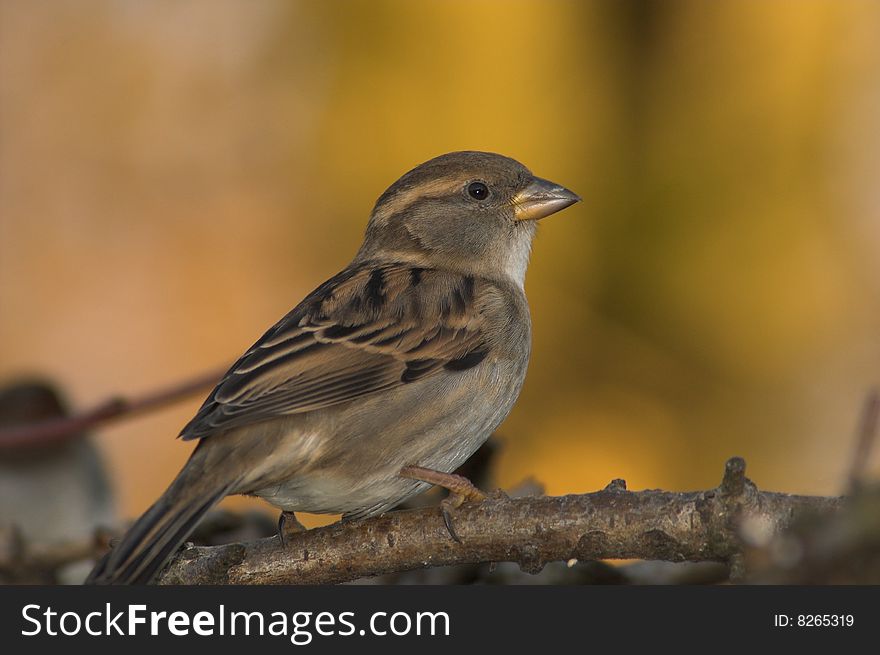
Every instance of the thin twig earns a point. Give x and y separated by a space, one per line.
867 435
59 429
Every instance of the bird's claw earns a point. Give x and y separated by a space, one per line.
461 490
446 510
288 525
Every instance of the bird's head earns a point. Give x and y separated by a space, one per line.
464 210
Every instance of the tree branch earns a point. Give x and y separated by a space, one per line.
610 524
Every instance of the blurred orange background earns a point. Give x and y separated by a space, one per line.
175 176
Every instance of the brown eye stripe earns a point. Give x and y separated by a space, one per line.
398 200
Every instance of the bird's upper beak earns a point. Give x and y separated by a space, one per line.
541 198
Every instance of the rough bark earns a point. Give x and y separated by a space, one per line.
614 523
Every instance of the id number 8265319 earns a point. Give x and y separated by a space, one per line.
813 620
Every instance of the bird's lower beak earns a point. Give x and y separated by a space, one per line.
541 198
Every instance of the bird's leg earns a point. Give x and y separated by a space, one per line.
288 525
460 490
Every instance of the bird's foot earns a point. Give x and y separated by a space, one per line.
288 525
461 490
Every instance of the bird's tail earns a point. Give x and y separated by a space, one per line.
156 535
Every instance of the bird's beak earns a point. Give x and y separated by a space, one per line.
541 198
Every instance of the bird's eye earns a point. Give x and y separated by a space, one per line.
478 190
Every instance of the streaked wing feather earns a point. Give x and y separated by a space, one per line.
368 329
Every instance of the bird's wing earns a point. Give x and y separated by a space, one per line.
372 327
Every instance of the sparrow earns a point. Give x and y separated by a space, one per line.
383 380
36 474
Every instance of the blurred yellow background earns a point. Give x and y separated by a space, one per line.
176 175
